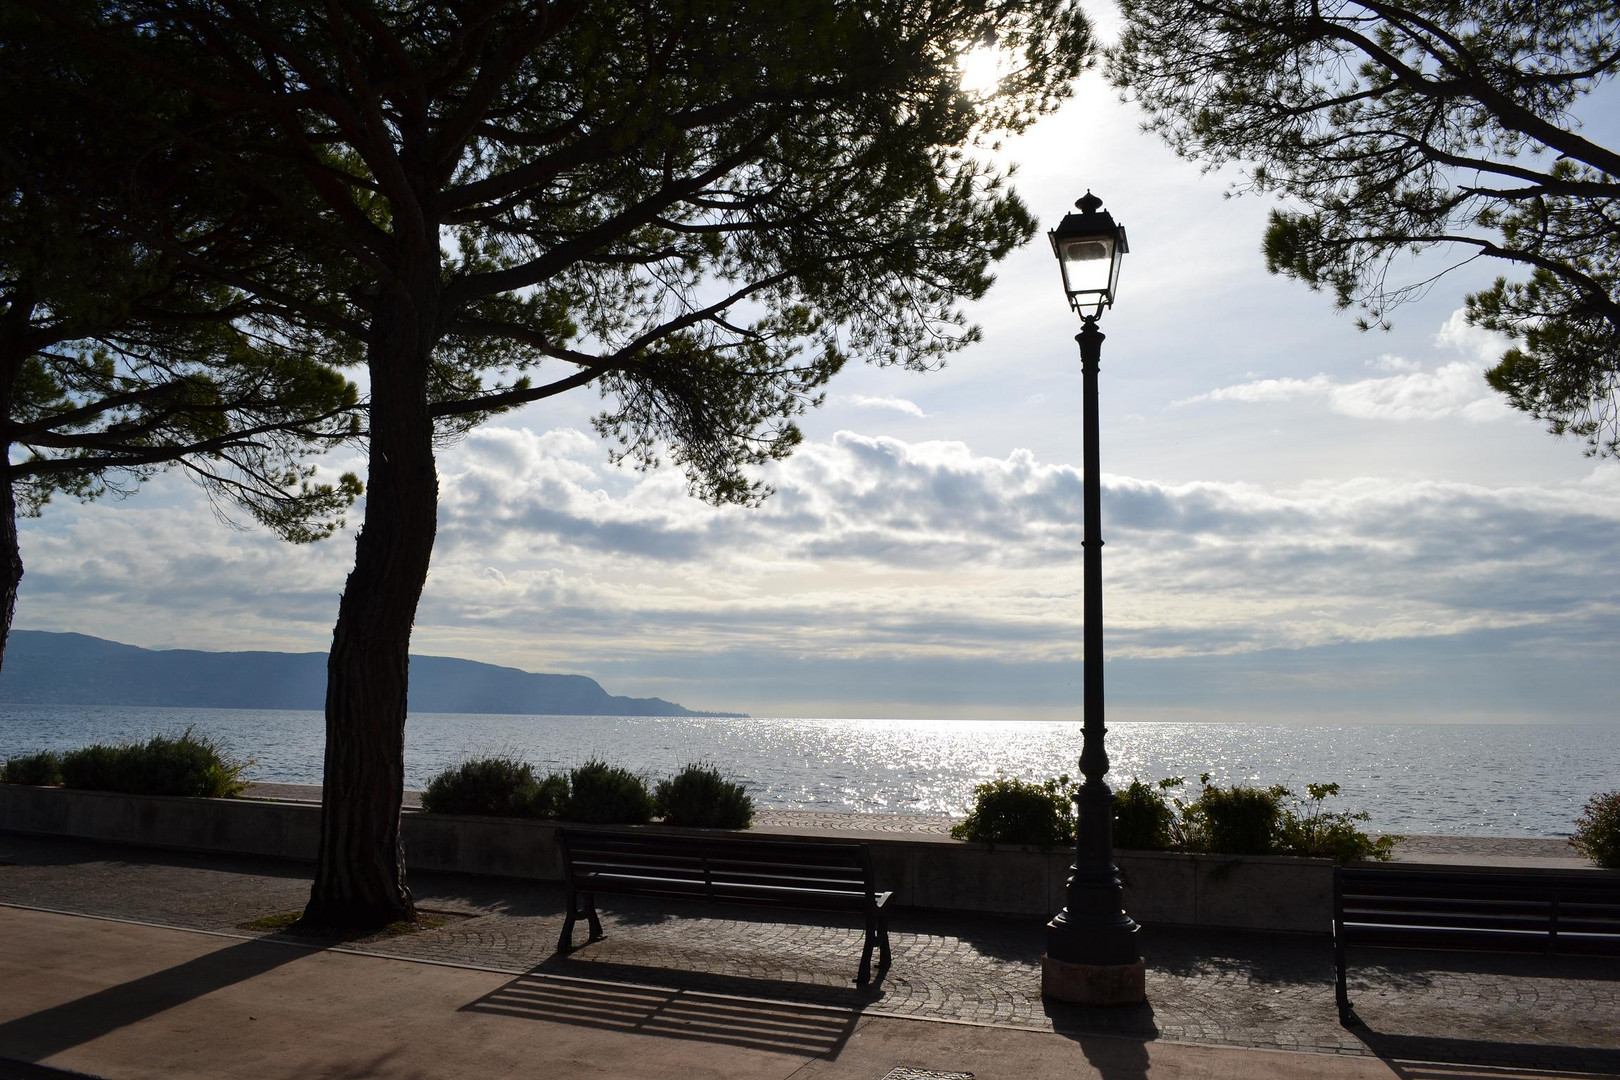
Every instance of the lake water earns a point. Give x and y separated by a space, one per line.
1459 779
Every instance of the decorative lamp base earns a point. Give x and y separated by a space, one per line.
1093 984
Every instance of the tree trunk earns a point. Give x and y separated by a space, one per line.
11 567
360 868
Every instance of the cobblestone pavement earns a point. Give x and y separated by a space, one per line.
1220 987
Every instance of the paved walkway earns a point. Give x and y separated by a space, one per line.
1257 992
128 1001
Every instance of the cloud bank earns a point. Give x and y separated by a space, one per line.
874 551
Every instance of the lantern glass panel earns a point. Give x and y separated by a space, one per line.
1088 264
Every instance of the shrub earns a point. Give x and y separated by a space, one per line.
163 765
1236 820
550 796
1007 810
1597 830
1143 819
608 795
1324 834
700 796
490 786
37 770
1224 821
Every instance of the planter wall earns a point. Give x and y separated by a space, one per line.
1261 893
281 829
1257 893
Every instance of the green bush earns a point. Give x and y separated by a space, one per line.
163 765
496 787
608 795
1007 810
1597 830
700 796
37 770
1144 820
489 787
1315 832
1237 820
550 796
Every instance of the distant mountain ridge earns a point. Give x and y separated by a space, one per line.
76 669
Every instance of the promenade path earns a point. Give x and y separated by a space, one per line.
133 962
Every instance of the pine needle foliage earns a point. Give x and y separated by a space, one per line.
1387 130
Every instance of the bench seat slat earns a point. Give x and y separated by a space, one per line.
803 877
1356 926
1443 938
786 866
810 876
604 881
1372 910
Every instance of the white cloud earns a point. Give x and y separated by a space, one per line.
1483 346
1456 389
1391 362
1409 393
895 404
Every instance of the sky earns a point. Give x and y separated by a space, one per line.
1303 521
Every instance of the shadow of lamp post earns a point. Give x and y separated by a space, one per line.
1091 954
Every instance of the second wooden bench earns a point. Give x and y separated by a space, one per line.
1552 912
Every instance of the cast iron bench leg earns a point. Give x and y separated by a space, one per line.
579 904
1341 992
883 940
874 920
565 940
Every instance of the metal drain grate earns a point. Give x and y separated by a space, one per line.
906 1072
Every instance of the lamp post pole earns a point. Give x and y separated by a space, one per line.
1091 952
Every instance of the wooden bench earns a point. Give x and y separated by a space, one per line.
722 869
1551 912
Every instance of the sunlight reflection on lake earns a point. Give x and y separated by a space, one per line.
1465 779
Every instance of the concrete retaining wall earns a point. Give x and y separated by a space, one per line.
1257 893
284 830
1262 893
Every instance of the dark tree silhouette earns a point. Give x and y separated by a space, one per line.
115 361
1405 126
702 208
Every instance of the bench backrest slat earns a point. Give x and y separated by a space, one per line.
1490 910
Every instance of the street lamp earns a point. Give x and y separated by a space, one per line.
1091 954
1089 246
